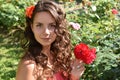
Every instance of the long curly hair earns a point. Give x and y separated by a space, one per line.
60 48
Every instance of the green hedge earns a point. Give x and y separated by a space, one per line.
99 28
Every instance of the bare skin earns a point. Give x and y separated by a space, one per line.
43 29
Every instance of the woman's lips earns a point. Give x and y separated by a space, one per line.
46 38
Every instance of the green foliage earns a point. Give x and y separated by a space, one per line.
12 23
9 58
12 16
99 29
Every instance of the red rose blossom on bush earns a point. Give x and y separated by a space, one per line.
29 11
84 53
114 11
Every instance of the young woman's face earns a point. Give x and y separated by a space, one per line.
43 28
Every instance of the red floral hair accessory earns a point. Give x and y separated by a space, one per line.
84 53
29 11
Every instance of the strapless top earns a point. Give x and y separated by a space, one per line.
59 76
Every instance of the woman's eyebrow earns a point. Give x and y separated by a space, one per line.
53 23
38 23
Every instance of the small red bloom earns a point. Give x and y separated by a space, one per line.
29 11
84 53
114 11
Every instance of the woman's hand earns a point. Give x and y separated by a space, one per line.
77 69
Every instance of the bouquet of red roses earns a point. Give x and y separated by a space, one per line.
84 53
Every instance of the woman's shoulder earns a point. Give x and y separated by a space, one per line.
27 64
26 69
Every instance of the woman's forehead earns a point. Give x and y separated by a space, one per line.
44 17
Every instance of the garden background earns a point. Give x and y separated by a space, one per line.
99 22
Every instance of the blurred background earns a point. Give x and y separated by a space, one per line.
99 27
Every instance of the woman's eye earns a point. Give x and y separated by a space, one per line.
39 25
52 27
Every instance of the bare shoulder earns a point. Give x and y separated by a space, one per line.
25 70
28 64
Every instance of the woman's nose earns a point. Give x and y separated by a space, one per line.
47 31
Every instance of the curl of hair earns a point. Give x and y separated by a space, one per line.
60 48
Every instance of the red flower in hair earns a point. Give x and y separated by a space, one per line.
84 53
114 11
29 11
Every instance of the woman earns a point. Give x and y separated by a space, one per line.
48 54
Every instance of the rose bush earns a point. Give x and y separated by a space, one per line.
99 28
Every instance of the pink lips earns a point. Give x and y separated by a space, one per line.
46 38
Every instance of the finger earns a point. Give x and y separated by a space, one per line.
76 63
80 66
82 70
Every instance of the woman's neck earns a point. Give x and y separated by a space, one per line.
46 50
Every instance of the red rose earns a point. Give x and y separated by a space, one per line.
84 53
29 11
114 11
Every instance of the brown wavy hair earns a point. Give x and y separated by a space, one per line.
60 48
